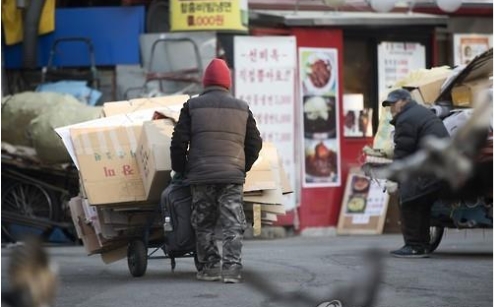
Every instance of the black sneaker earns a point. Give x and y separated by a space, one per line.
408 251
209 274
231 275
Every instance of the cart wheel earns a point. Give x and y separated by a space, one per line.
436 234
30 200
137 258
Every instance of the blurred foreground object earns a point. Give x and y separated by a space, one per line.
32 278
361 291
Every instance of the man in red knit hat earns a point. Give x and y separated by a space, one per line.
224 142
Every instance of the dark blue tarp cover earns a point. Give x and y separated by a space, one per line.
114 32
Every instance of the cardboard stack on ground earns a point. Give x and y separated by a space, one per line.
265 185
124 165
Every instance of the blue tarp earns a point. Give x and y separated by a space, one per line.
77 89
114 32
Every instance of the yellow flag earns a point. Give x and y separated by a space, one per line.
13 22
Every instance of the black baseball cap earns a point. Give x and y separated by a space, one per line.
395 96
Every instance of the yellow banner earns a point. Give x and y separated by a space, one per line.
207 15
12 20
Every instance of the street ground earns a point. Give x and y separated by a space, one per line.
459 273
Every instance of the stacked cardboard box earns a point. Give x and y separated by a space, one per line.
265 185
425 91
124 166
108 230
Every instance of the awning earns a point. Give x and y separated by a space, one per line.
339 18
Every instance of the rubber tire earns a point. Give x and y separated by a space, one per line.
436 235
137 258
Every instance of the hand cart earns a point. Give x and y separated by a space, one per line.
147 238
51 73
191 76
35 195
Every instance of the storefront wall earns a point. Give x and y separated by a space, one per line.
319 207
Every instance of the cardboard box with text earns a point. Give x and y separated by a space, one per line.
108 166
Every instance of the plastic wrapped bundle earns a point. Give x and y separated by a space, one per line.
29 119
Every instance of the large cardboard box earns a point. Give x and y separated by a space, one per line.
108 166
129 119
427 91
129 106
153 156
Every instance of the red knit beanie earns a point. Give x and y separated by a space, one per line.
217 74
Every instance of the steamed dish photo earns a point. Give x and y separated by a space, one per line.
316 107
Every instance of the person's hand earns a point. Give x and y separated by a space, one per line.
391 187
177 177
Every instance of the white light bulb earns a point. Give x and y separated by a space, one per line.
449 5
382 6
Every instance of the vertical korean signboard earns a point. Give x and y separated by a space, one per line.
206 15
320 112
265 79
396 60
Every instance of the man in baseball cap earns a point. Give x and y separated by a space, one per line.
397 99
412 123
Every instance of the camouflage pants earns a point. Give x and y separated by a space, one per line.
222 203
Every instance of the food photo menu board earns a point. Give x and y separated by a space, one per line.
318 68
364 206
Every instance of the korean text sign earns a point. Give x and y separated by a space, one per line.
396 60
196 15
265 69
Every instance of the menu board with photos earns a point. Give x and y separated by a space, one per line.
364 205
319 103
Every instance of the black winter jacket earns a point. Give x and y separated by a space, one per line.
222 137
413 124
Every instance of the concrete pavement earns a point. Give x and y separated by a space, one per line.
459 273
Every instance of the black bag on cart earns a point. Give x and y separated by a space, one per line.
180 240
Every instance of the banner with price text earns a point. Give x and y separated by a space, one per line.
207 15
